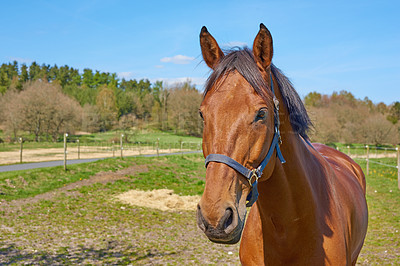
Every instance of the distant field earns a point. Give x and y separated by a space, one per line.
48 216
99 145
106 138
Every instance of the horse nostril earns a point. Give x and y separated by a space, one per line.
228 218
202 223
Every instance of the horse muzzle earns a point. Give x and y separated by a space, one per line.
228 230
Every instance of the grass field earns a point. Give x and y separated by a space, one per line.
48 216
382 245
106 138
48 224
99 145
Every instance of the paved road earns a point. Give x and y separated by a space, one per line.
27 166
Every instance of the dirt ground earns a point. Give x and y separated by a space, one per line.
100 230
53 154
161 199
87 152
375 155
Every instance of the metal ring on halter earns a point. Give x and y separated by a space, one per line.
253 175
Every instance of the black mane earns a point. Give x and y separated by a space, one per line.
242 60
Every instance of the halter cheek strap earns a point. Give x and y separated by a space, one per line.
253 175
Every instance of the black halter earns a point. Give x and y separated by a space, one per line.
253 175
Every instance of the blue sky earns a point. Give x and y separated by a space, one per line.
322 46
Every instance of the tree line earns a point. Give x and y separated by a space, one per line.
341 117
46 101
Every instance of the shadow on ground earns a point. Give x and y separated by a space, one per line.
11 254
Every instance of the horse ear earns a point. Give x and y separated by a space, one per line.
262 47
212 54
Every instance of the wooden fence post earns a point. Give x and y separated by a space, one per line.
112 147
79 150
181 148
398 166
158 147
20 150
65 151
122 135
367 159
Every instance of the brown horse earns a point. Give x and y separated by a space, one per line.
311 209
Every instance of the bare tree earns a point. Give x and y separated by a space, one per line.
325 125
9 115
106 104
183 109
377 130
42 109
90 118
342 118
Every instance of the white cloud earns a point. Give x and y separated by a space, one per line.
234 44
125 75
20 60
198 82
178 59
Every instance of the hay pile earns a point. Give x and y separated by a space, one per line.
162 199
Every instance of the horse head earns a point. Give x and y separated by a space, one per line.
241 129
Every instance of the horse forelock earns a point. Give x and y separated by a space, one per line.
242 60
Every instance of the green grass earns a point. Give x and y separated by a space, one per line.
28 183
30 145
164 137
106 138
357 145
88 226
360 149
382 245
174 172
184 175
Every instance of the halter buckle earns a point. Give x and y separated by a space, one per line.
276 103
254 176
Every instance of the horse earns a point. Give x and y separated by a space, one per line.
308 200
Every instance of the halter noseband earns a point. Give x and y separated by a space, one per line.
253 175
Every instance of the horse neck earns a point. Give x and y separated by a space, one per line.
287 197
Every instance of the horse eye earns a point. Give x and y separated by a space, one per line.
201 115
261 114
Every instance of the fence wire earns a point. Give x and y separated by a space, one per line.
388 165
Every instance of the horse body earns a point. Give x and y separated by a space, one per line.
311 210
311 213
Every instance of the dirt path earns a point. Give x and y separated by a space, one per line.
86 152
374 155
